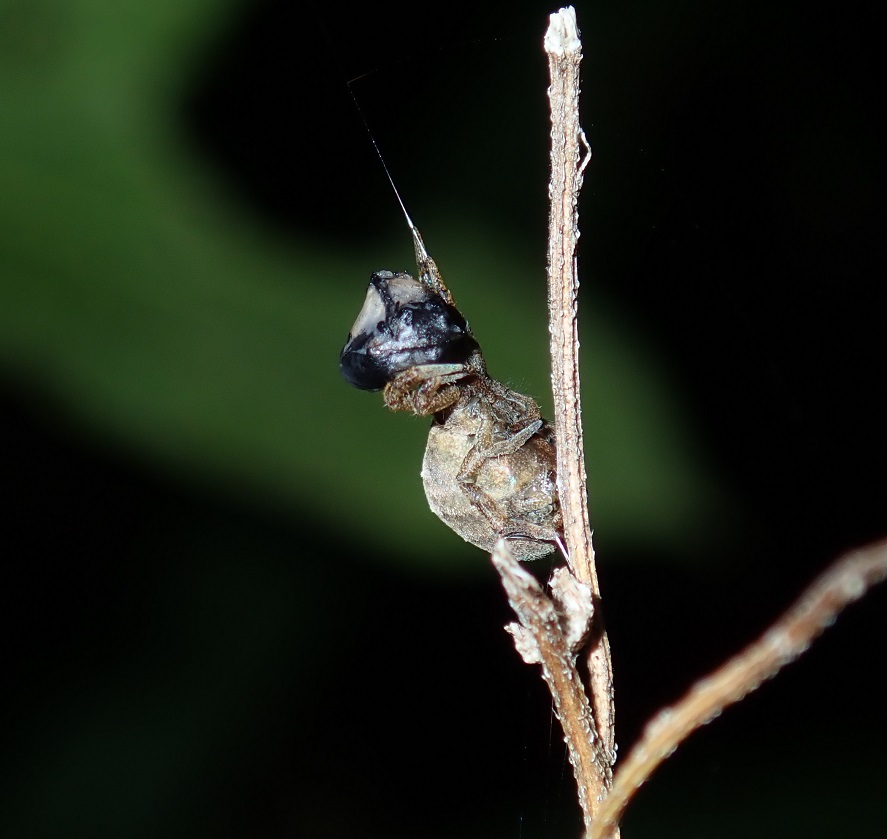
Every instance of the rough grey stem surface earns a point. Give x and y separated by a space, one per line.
540 639
564 50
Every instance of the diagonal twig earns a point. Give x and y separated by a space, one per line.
848 579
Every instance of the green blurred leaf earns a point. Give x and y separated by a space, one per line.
161 316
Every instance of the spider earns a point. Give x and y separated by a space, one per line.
489 469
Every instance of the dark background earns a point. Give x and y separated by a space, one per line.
225 611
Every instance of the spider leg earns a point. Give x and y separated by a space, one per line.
425 389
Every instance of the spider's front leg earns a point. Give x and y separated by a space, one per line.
425 389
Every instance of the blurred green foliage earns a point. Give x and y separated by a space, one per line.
163 318
222 665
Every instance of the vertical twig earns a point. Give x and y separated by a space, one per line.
564 50
549 629
540 638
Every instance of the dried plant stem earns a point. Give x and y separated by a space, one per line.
540 639
848 579
564 56
564 50
540 636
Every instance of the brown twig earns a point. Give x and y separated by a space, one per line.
564 50
540 636
540 639
848 579
547 627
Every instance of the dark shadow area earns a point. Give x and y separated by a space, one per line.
182 659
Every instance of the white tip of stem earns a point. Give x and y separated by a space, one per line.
563 34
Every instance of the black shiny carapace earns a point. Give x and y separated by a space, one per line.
402 324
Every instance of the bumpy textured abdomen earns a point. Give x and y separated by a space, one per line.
522 484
